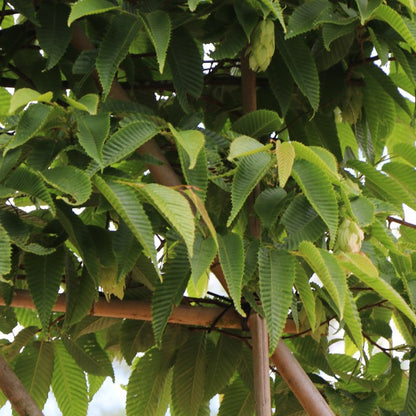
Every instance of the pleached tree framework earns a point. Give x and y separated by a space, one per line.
148 145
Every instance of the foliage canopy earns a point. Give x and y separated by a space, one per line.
325 165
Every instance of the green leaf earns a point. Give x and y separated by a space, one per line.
192 142
410 405
303 18
299 60
126 140
185 62
204 253
73 182
367 8
237 400
363 210
250 171
27 181
88 103
268 205
245 146
275 9
146 384
26 8
189 375
54 35
83 8
397 22
23 96
31 122
5 252
92 132
329 271
285 154
258 123
122 30
277 275
126 203
175 208
231 252
353 321
364 269
223 361
404 174
175 278
68 384
159 28
321 195
193 4
34 367
25 335
306 295
89 355
44 276
136 336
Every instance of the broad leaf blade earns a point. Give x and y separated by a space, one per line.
258 123
83 8
44 276
238 400
175 208
285 154
189 376
327 268
250 171
159 28
231 252
277 275
192 141
136 336
125 201
68 384
34 367
321 195
114 47
5 252
204 253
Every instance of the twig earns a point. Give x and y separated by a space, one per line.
391 219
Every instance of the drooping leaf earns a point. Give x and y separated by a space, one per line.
299 60
167 294
353 321
44 275
318 190
185 63
23 96
175 208
363 210
192 142
277 275
367 8
306 295
71 181
89 355
204 253
68 383
125 201
31 122
410 405
250 171
25 335
121 32
159 28
189 375
238 400
364 269
231 253
27 9
136 336
34 367
54 35
285 154
244 146
5 252
146 384
258 123
327 268
268 205
92 132
83 8
28 182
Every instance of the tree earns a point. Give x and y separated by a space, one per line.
149 145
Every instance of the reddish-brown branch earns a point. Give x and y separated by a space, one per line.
299 382
391 219
142 311
16 392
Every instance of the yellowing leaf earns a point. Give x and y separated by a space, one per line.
285 154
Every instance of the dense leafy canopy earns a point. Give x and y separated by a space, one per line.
325 166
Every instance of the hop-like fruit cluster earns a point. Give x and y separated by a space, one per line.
262 45
350 237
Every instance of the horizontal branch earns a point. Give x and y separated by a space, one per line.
209 317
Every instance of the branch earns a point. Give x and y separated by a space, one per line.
16 392
391 219
142 311
301 385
